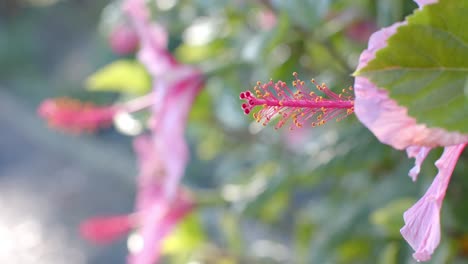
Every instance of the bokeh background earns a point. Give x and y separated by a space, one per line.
332 194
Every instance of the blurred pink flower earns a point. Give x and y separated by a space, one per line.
163 155
267 19
392 125
360 30
123 40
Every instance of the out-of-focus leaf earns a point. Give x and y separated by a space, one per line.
202 107
304 230
187 236
272 210
306 13
197 53
230 226
121 76
389 254
390 217
354 250
456 196
388 12
210 145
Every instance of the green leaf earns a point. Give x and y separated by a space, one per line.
121 76
390 217
197 53
186 237
389 254
425 65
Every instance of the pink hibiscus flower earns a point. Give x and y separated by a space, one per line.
164 155
392 125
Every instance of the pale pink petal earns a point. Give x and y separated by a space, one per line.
153 38
136 9
422 221
153 51
420 154
422 3
389 121
152 234
170 123
158 222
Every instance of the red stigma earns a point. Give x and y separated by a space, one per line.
278 100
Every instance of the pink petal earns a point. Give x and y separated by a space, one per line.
420 154
169 127
157 223
106 229
422 3
422 220
153 38
389 121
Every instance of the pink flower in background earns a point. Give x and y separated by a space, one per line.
123 40
267 19
392 125
163 155
360 30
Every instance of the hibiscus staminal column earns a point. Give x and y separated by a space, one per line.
73 115
299 103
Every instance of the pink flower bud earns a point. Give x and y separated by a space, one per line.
123 40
